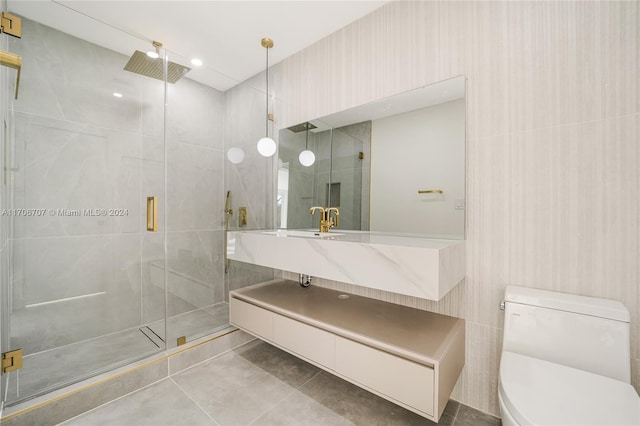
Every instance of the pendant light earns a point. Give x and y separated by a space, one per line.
266 145
235 155
307 157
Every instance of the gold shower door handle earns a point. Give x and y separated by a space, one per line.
152 214
14 61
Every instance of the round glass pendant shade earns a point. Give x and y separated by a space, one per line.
266 147
307 158
235 155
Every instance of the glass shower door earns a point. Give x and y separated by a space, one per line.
83 278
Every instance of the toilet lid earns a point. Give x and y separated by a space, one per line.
543 393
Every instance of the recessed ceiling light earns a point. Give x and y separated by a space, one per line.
196 62
153 54
117 95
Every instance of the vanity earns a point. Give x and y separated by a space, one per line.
410 357
393 173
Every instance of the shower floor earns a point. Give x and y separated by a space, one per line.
193 324
48 370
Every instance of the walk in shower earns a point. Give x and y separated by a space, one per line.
86 287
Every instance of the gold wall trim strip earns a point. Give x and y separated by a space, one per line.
114 376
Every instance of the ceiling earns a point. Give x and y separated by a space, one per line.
225 35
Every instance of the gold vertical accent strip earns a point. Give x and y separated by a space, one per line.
152 213
5 142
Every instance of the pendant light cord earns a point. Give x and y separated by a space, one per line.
306 143
266 124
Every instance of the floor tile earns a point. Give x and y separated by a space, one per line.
160 404
451 409
220 311
232 389
286 367
360 406
468 416
258 384
300 410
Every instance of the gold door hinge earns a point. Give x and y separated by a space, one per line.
11 24
182 340
11 361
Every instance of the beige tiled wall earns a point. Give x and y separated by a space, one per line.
553 123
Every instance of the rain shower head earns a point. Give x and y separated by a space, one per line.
302 127
142 64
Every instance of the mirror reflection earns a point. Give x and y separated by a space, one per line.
395 165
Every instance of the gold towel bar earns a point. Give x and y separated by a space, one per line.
430 191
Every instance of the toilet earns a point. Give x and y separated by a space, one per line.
565 361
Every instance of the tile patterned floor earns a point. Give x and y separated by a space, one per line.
258 384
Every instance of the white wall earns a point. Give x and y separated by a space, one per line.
553 160
419 150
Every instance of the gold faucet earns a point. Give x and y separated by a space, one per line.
326 221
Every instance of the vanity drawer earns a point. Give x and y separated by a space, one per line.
253 319
310 342
405 381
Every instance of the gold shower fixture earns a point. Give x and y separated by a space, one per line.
155 53
151 65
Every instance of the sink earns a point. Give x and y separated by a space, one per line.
399 263
302 234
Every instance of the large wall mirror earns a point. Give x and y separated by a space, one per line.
395 165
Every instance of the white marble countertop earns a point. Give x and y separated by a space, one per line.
365 237
405 264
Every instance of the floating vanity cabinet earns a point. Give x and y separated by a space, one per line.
309 342
250 317
407 356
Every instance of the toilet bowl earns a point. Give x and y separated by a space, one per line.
565 361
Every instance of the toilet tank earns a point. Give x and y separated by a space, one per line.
582 332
